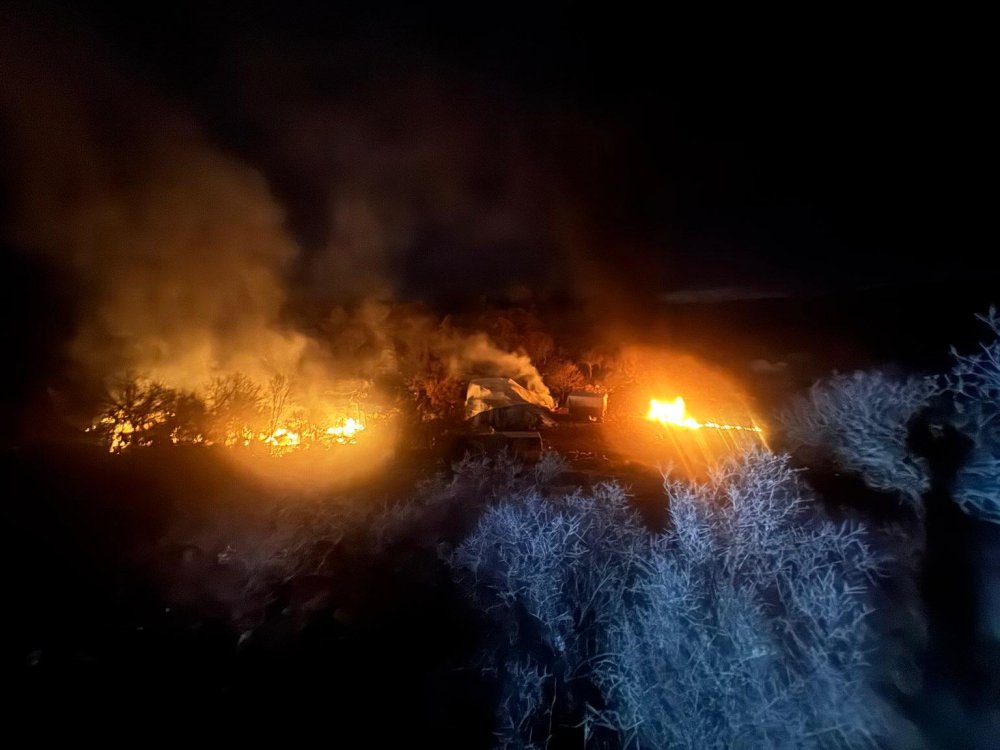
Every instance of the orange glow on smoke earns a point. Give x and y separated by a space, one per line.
674 413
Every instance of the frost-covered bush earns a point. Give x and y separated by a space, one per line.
974 389
751 628
552 573
744 625
497 476
475 481
549 467
862 421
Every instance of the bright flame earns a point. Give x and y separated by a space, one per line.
283 438
348 429
342 432
120 432
674 413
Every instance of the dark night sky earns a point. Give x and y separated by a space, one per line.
758 152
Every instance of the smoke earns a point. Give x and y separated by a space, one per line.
477 355
178 250
181 253
407 178
400 340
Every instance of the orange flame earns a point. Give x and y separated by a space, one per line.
674 413
121 433
343 432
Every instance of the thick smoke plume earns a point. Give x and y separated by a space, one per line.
407 179
381 338
477 354
178 250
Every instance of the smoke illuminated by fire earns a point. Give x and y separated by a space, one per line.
674 413
181 259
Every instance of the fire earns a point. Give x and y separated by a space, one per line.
234 412
122 434
341 432
282 438
674 413
345 432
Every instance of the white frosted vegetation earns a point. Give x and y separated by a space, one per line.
743 625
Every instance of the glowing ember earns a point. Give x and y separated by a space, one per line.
674 413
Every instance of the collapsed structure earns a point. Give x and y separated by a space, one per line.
503 415
484 394
502 404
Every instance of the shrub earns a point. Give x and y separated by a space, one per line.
563 376
751 630
285 543
238 409
138 411
973 387
437 395
551 573
744 625
862 421
475 481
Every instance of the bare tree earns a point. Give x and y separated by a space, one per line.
592 358
136 411
190 424
437 394
277 397
539 346
562 376
236 404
